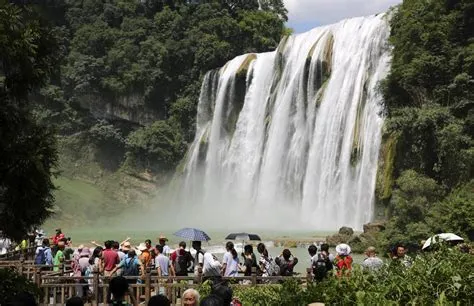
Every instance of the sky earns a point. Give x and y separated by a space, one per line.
304 15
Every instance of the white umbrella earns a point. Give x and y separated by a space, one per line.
443 236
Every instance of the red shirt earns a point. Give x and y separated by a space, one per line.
57 238
111 258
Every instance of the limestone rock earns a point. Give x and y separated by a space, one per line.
346 231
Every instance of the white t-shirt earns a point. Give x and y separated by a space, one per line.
163 262
166 250
200 261
232 264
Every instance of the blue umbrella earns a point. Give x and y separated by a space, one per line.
192 234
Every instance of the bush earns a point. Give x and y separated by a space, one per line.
13 283
443 277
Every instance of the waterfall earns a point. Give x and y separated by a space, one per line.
290 138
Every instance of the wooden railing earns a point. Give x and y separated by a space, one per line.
58 287
26 254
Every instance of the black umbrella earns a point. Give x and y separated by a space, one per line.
242 236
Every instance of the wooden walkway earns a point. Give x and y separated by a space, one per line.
58 287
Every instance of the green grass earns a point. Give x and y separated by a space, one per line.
78 201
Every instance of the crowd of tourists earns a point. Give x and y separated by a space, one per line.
126 264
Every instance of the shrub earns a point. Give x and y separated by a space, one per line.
13 283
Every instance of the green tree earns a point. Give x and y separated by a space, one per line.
28 51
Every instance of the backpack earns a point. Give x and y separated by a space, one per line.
130 267
40 258
321 266
181 264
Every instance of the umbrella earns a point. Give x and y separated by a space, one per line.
192 234
242 236
443 236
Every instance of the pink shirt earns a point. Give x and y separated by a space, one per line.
111 258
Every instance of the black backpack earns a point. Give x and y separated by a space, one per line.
321 266
181 264
130 268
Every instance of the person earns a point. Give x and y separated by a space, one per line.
43 254
221 289
343 260
131 266
191 297
163 263
212 300
199 258
118 289
39 237
159 300
267 265
116 248
125 247
95 265
110 258
250 261
59 256
325 251
58 237
321 264
181 260
75 301
230 262
401 256
372 262
285 263
5 244
166 249
145 255
84 260
211 267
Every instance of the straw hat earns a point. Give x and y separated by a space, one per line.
126 246
142 247
343 249
163 237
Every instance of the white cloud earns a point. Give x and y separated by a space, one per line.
320 12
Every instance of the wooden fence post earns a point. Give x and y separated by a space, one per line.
95 285
254 276
309 275
147 286
199 276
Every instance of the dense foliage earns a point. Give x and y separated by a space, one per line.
440 278
429 95
143 61
14 284
28 50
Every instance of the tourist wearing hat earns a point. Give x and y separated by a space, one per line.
343 260
166 249
145 255
39 237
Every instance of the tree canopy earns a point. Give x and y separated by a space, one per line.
429 98
28 49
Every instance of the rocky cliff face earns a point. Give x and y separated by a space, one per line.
131 107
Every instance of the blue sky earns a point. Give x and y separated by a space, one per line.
304 15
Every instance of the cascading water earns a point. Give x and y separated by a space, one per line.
290 138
